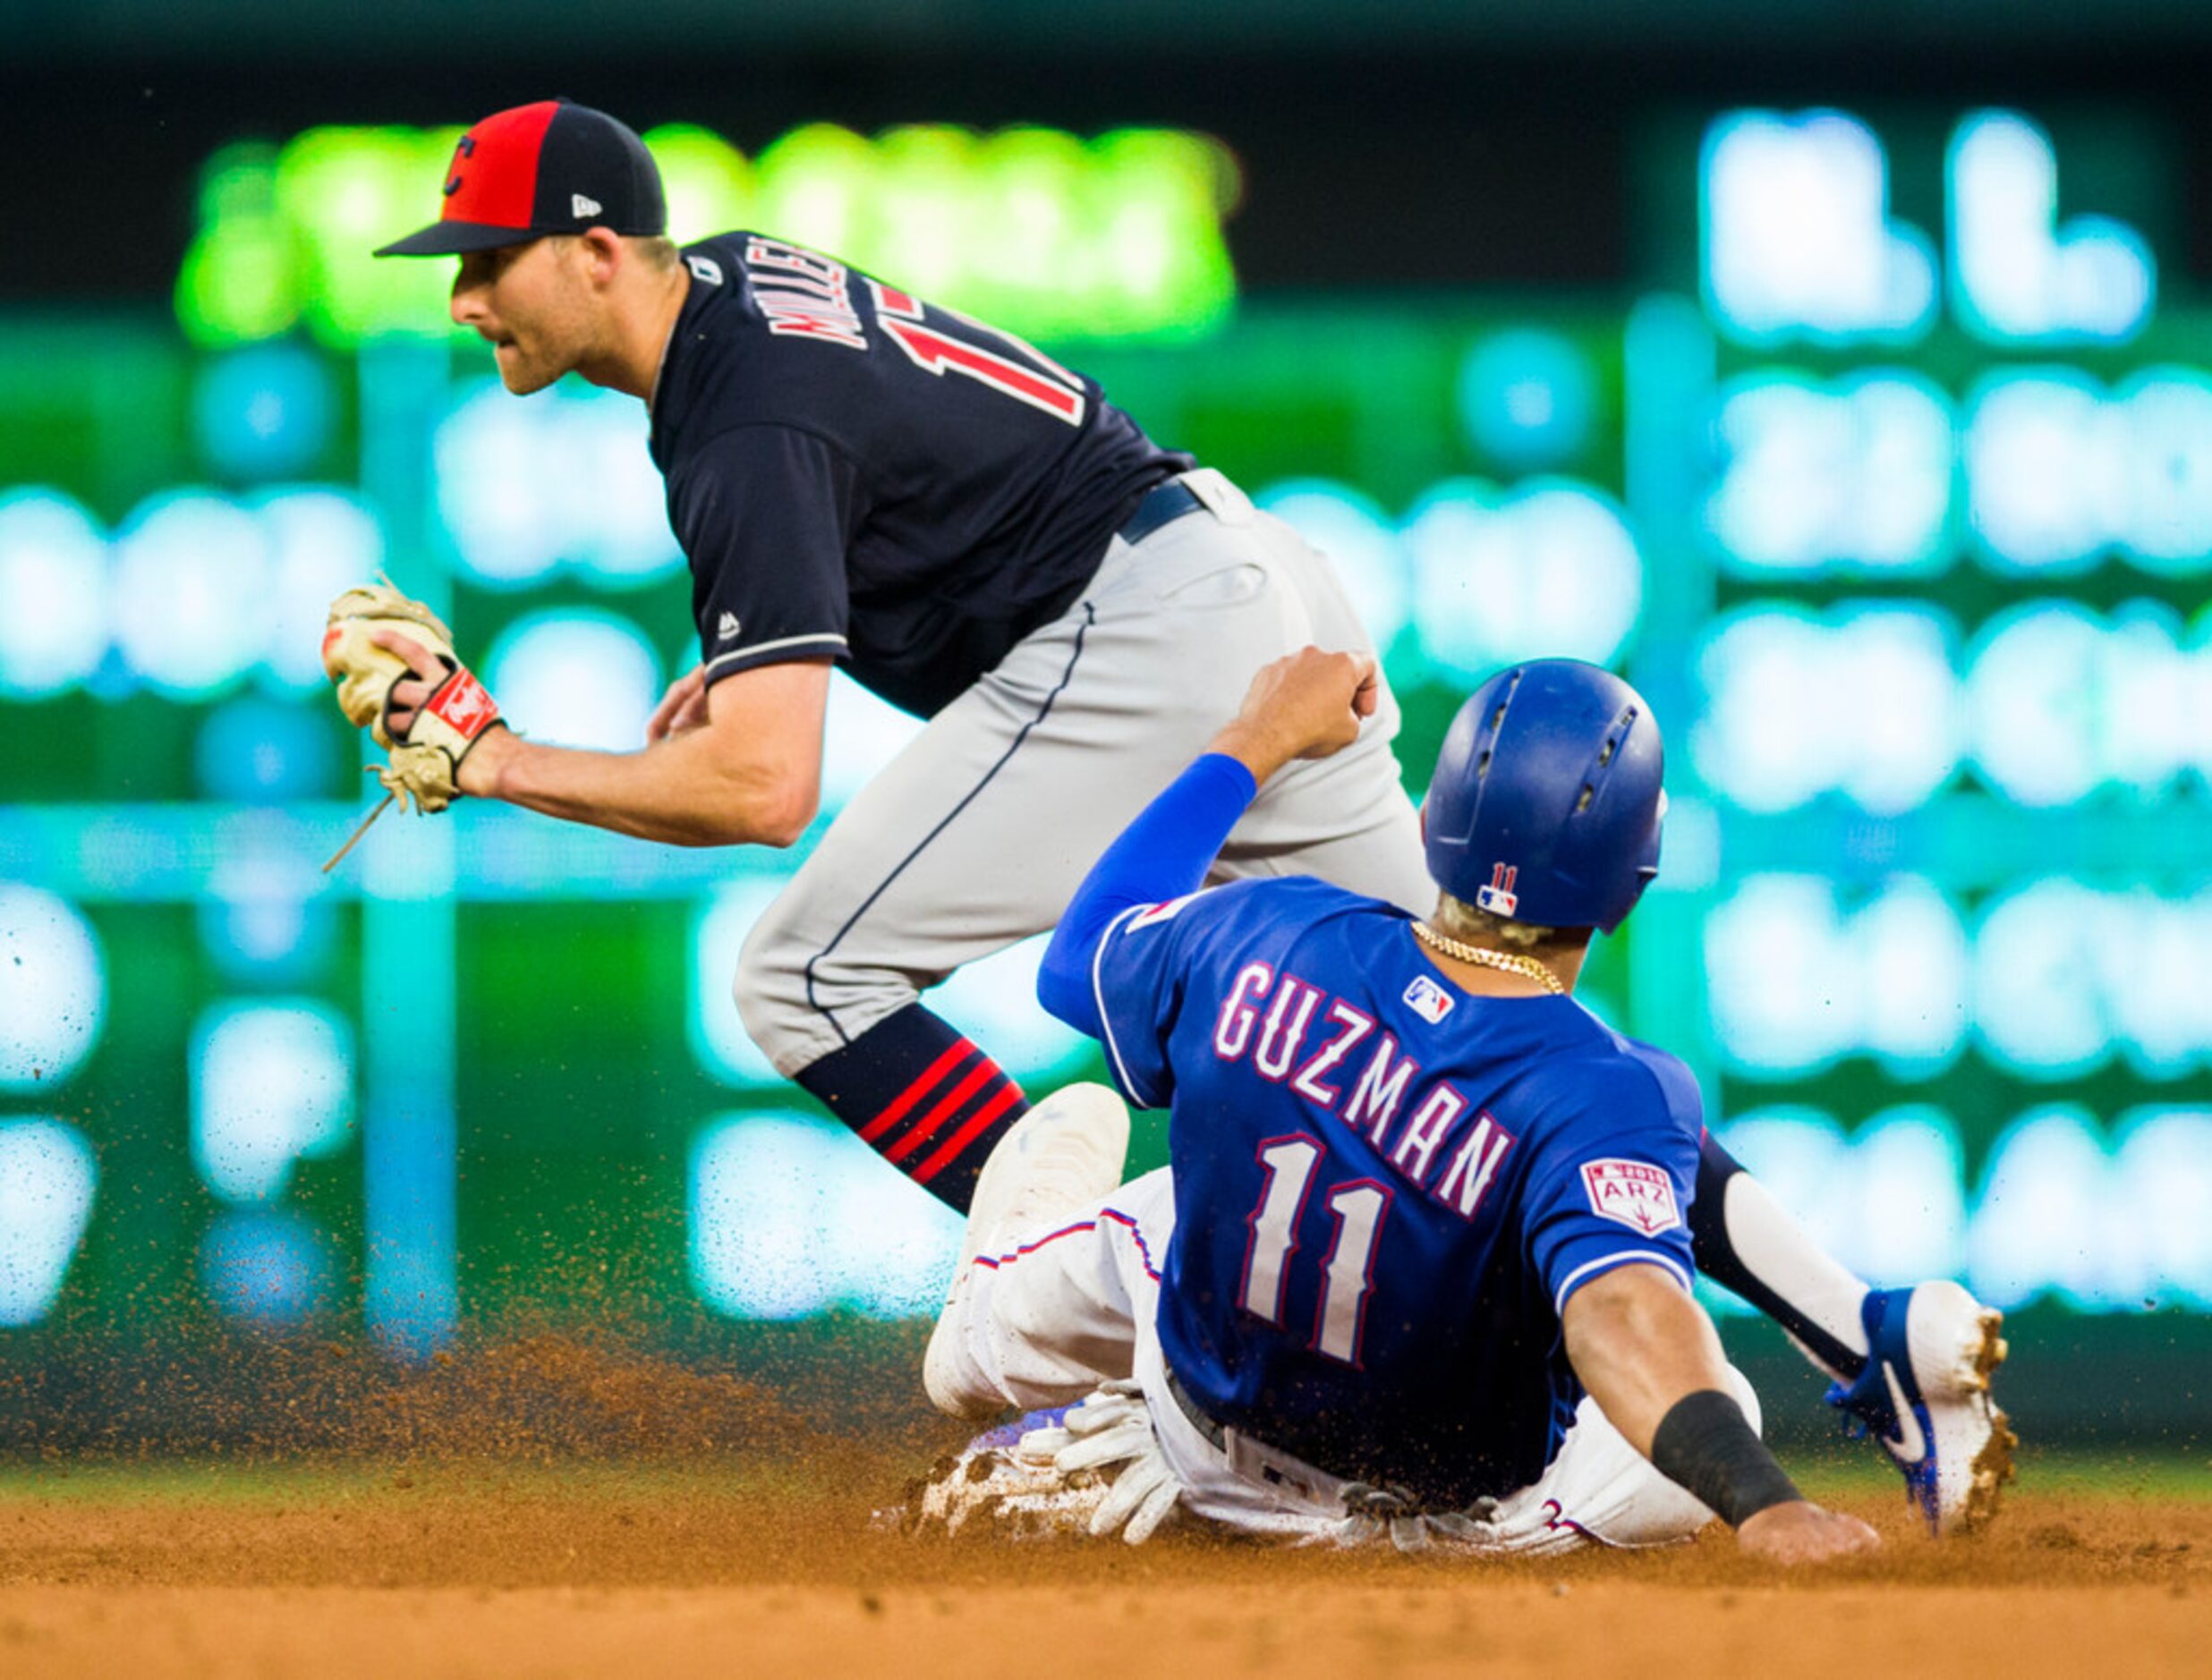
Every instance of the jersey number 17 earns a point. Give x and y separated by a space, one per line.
1046 385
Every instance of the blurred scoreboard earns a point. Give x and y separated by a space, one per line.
1892 486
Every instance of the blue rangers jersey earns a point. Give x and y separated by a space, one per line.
1386 1189
859 475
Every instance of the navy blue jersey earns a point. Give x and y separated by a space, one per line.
1386 1189
858 474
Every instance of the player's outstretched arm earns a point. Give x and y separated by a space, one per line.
1647 1354
1308 704
739 764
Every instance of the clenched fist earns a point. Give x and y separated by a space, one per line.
1306 705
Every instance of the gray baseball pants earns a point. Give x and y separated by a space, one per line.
976 836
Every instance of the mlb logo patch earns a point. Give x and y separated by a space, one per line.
1427 999
1499 897
1635 1193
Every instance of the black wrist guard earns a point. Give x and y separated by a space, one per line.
1705 1444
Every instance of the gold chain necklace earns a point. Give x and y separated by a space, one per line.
1527 967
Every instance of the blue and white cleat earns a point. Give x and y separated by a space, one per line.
1925 1396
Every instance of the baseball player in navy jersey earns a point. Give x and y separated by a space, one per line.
859 476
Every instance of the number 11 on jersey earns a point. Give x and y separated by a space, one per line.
1348 1270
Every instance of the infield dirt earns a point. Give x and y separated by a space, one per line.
666 1569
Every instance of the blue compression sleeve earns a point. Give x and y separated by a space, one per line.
1163 854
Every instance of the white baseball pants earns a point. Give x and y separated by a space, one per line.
1049 1317
977 836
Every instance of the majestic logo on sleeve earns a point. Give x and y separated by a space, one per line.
1499 898
727 628
1635 1193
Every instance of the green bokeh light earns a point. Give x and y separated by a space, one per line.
1035 229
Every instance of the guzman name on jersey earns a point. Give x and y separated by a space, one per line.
1269 1016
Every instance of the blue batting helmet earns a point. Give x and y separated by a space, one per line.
1546 803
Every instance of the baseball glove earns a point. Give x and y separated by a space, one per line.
425 762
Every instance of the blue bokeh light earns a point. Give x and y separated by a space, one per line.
560 479
54 610
576 677
48 1177
2017 274
791 1214
263 413
1549 568
1796 236
1527 398
270 1269
271 1084
252 751
53 987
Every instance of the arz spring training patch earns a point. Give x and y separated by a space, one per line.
1637 1194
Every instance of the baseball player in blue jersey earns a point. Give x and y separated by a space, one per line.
859 476
1422 1252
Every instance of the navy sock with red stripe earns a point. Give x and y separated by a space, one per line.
923 1097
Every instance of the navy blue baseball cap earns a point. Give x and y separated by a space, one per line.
551 168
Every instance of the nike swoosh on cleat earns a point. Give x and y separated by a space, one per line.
1910 1445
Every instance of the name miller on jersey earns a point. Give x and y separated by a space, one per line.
804 294
1283 1008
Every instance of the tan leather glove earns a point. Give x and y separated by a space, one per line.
425 762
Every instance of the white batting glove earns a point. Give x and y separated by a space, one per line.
1113 1431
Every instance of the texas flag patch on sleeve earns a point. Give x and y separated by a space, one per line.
1635 1193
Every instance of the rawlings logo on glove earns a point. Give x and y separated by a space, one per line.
426 753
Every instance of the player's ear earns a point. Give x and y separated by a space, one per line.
603 253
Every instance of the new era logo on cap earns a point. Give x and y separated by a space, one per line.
551 168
